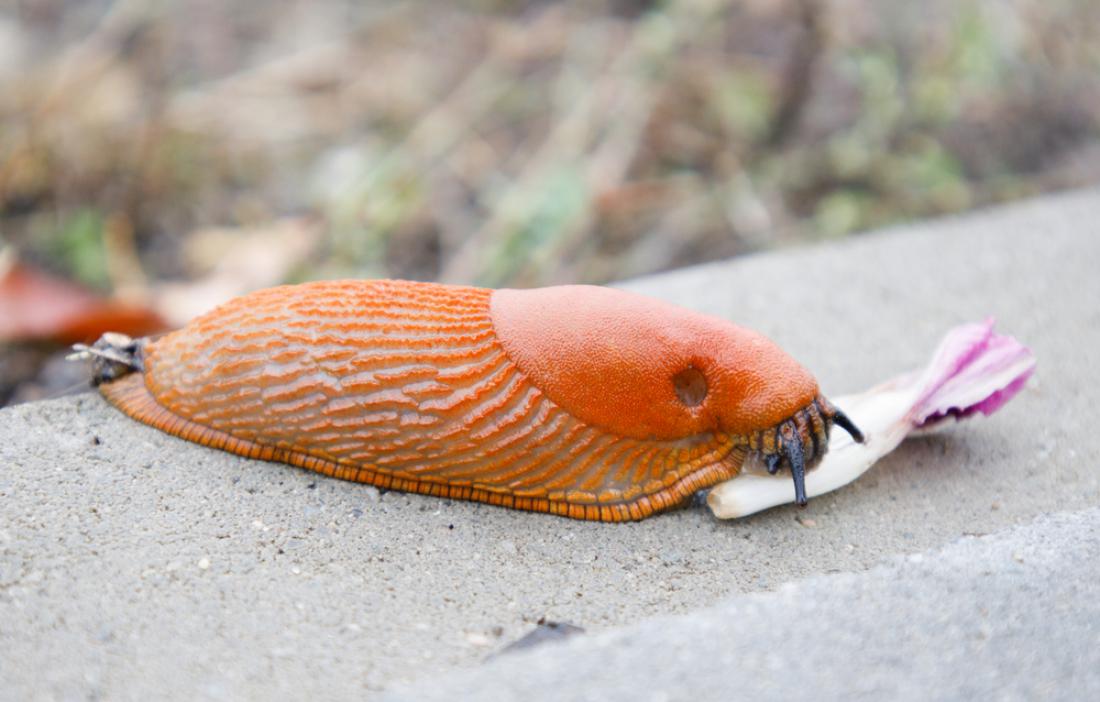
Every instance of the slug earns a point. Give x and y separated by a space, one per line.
582 401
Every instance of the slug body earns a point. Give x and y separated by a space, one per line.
583 401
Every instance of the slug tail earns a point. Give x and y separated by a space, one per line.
113 356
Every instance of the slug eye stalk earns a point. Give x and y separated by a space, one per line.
847 425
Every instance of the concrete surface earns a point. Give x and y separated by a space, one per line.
1007 617
133 564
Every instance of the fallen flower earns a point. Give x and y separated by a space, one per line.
36 306
972 370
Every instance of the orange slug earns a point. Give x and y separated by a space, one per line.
587 402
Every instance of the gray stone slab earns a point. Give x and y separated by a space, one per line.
1015 616
132 562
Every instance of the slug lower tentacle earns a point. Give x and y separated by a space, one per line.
582 401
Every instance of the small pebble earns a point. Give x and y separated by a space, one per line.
672 557
479 640
544 631
204 563
374 680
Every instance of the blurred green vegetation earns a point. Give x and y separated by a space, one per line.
524 143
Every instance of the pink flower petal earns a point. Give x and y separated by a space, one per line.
973 370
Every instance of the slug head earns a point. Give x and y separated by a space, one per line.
645 369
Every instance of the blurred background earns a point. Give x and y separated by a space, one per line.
159 157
